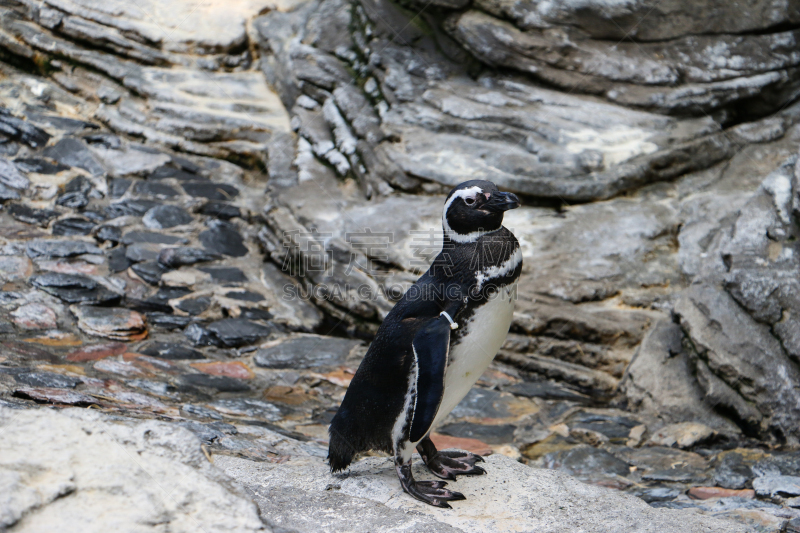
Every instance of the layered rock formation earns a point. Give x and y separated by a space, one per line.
208 209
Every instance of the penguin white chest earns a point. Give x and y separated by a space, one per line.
484 334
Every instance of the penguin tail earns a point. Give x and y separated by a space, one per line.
340 448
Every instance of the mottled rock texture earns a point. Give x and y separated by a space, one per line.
206 210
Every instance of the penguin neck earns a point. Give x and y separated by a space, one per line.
464 238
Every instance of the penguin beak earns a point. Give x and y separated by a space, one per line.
501 201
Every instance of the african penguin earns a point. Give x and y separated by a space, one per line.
434 345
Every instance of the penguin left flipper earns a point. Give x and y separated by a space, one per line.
431 346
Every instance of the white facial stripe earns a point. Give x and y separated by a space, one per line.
460 237
502 270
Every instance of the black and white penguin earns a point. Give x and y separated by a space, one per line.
434 345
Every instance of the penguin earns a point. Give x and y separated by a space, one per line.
434 345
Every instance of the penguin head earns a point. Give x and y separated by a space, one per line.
475 208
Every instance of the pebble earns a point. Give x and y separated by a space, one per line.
585 460
117 187
112 234
149 237
30 215
305 351
60 248
172 172
73 153
231 369
34 316
492 434
118 259
705 493
148 271
54 395
245 296
7 194
74 288
616 428
166 216
167 321
657 494
21 130
39 166
247 407
167 350
223 238
220 383
130 208
155 189
228 333
75 195
47 379
211 191
734 468
220 210
183 256
777 485
13 268
194 306
141 251
73 226
225 274
10 176
111 322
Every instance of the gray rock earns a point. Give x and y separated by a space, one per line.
223 238
660 381
31 215
166 216
42 248
692 75
511 496
306 351
74 153
21 130
77 491
230 332
772 486
10 176
182 256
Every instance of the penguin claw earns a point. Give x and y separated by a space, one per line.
430 492
450 463
433 496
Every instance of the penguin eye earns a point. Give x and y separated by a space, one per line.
469 201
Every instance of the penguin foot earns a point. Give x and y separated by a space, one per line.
431 492
448 464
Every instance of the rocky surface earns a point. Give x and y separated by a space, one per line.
159 473
207 210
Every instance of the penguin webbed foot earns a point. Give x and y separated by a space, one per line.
431 492
447 464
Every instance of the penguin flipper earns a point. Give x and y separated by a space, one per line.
431 346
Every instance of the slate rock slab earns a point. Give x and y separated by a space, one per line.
306 351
